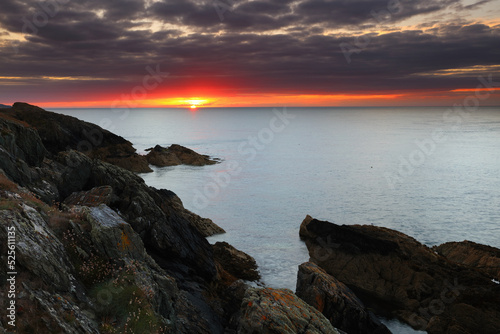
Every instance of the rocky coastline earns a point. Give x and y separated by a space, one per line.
99 251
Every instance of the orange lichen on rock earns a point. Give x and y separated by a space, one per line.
124 241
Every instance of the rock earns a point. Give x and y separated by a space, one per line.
336 301
204 225
22 142
392 272
481 257
236 262
303 233
112 236
60 310
94 197
176 155
60 133
4 106
276 311
37 248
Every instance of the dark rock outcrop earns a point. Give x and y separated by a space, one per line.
274 311
60 133
236 262
177 155
114 247
336 301
395 273
481 257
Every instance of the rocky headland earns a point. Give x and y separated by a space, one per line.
99 251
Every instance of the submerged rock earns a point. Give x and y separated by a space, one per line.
336 301
280 311
177 155
396 274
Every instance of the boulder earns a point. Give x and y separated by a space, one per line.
236 262
336 301
394 273
177 155
280 311
481 257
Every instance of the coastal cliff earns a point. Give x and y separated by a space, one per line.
99 251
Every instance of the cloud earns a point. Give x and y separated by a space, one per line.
264 45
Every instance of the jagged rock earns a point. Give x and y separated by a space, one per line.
176 155
204 225
21 142
60 133
471 254
395 273
114 237
37 248
61 310
336 301
276 311
236 262
94 197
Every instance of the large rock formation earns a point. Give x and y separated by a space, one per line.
336 301
395 273
177 155
60 133
99 250
483 258
274 311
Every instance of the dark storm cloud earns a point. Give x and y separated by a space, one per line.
93 38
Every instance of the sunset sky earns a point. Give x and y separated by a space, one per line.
95 53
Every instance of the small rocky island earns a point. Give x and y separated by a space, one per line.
175 155
99 251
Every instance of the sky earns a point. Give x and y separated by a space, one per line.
240 53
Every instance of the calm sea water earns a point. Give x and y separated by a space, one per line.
432 173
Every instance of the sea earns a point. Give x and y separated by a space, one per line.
430 172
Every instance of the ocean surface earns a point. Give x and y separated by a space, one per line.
432 173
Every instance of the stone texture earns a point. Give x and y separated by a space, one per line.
37 248
94 197
481 257
236 262
274 311
336 301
